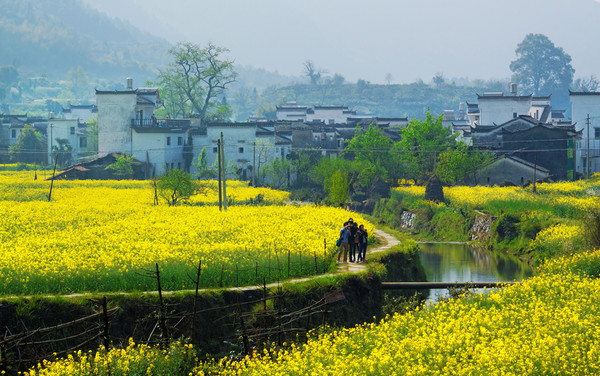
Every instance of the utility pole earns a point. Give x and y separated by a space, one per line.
224 173
220 170
254 163
587 159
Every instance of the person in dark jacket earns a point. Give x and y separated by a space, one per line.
353 245
363 239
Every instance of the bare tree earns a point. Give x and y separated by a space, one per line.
198 75
586 84
388 78
313 72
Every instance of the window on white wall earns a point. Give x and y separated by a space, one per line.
168 140
72 130
179 140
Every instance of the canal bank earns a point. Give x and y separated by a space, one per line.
463 262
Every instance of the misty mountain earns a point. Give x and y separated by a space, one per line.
50 37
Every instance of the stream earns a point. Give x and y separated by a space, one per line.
451 262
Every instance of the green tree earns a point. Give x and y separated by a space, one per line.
29 147
92 134
541 67
123 166
203 171
323 172
195 78
62 152
175 186
373 150
278 171
422 142
338 189
460 164
303 162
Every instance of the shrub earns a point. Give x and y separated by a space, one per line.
506 227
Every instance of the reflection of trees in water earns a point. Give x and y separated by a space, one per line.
455 261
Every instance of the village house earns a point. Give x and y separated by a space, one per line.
74 132
291 111
585 114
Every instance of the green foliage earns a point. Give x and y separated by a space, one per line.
123 166
92 134
194 79
203 171
373 150
460 164
338 189
278 172
303 162
506 227
422 142
62 153
29 147
322 173
175 186
592 227
541 67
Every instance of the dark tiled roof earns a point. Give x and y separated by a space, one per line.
100 92
526 163
584 92
142 100
511 97
281 140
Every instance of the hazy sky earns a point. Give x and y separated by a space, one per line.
410 39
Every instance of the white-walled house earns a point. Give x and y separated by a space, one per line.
582 105
160 148
496 108
83 112
291 111
72 130
247 144
329 114
126 124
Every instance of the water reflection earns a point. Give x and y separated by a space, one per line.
463 263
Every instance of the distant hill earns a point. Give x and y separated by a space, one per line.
49 38
401 100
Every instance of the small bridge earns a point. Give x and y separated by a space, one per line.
441 285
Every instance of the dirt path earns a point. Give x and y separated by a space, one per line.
387 241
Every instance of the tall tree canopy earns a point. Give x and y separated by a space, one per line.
29 147
422 142
194 80
541 67
373 150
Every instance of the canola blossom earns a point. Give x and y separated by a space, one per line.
99 236
545 326
135 359
563 198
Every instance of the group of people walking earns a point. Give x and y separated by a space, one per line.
352 238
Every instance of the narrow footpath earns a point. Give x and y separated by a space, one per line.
387 241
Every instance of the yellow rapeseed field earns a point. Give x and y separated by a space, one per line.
99 235
544 326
